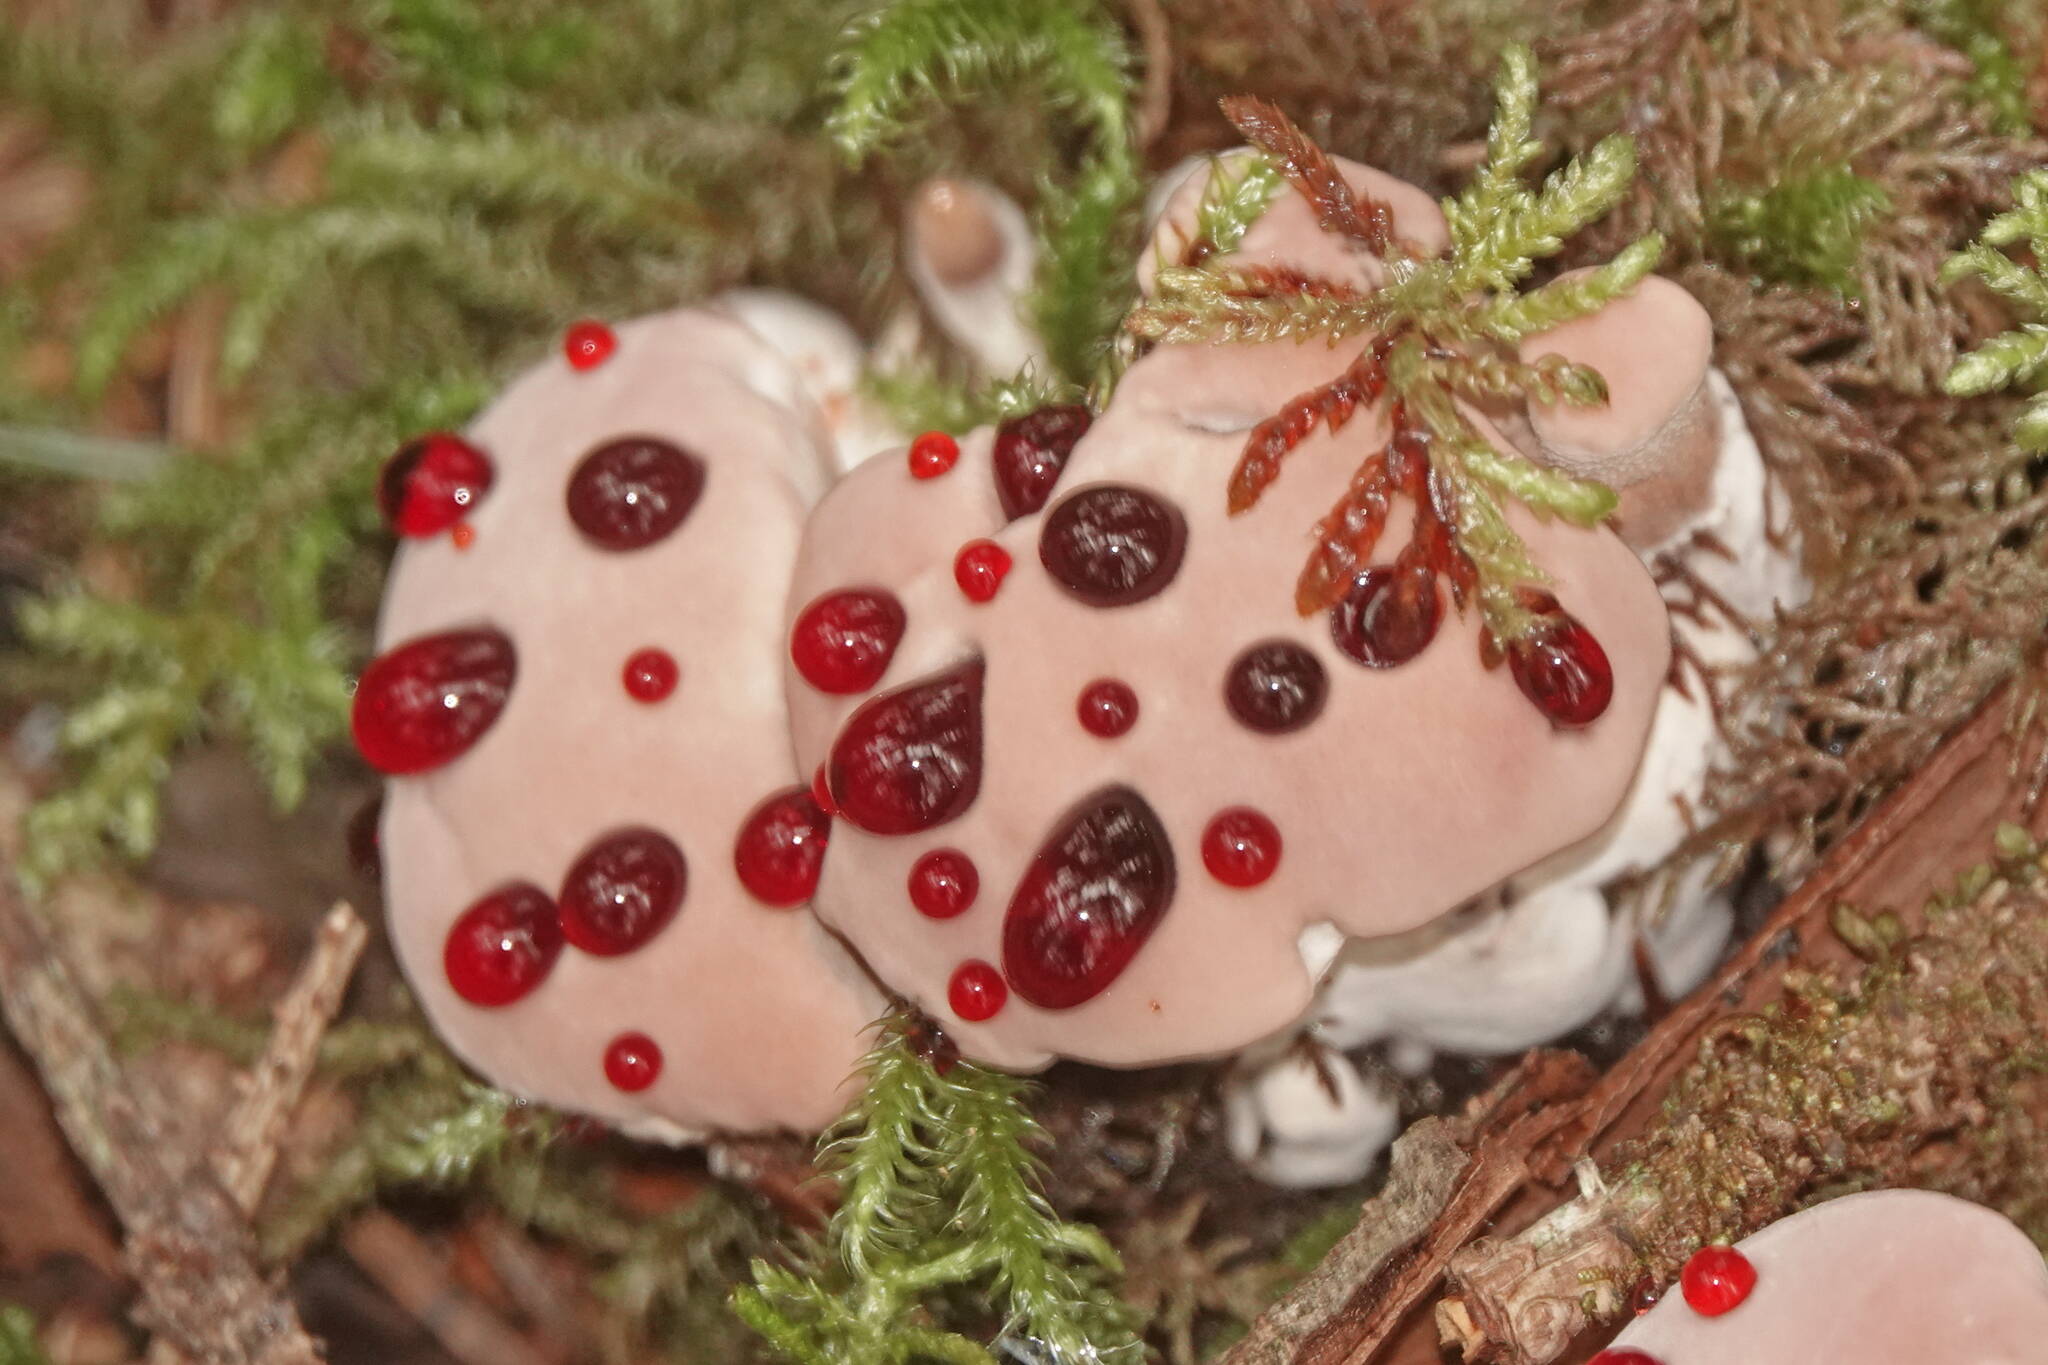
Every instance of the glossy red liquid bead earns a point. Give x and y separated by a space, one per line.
1241 847
626 495
821 791
944 883
1094 892
1389 616
1563 670
651 674
842 642
980 568
1107 708
588 344
503 946
622 891
1716 1280
781 848
1276 687
432 483
932 454
425 702
910 760
1030 454
632 1062
1624 1356
1113 545
977 992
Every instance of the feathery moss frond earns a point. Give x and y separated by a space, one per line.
2016 358
1806 228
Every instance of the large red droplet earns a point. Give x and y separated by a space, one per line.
1276 687
1092 895
932 454
1716 1280
627 494
1561 668
622 891
1623 1355
424 703
980 568
944 883
632 1062
650 674
781 848
977 992
432 483
588 344
1389 616
1031 453
842 642
1107 708
1113 544
910 760
503 946
1241 847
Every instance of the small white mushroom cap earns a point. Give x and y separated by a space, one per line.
971 255
1304 1121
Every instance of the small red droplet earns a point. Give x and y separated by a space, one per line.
432 483
632 1062
821 792
932 454
1562 669
462 535
425 702
588 344
1108 708
977 991
503 946
651 674
843 641
1241 847
980 569
944 883
1716 1280
622 891
1623 1355
781 848
1390 615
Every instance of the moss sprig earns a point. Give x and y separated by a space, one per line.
2018 357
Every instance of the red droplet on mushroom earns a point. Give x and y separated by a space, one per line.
364 842
781 848
1276 687
432 483
627 494
1389 616
932 454
588 344
1031 453
1561 668
1241 847
1113 545
651 674
910 760
1108 708
1716 1280
1094 892
977 991
842 642
503 946
980 568
622 891
632 1062
462 535
944 883
1624 1355
425 702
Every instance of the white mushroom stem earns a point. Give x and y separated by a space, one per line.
971 256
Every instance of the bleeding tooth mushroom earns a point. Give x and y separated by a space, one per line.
588 870
1888 1277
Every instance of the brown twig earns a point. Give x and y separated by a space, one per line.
407 1269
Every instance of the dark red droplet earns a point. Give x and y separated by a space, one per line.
364 842
1561 668
622 891
980 568
781 848
1716 1280
1241 847
932 454
1113 545
910 760
1108 708
588 344
627 494
632 1062
426 702
1276 687
651 674
977 992
1389 616
1031 453
944 883
1094 892
1623 1355
503 946
842 642
432 483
